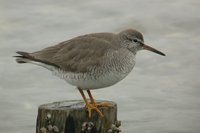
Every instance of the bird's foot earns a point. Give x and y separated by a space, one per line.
91 107
94 106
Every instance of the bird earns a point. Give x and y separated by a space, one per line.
91 61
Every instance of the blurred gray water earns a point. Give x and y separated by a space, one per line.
161 95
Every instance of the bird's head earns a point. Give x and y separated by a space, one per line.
133 40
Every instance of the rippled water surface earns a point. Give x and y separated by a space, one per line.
161 95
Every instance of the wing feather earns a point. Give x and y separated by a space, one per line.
77 55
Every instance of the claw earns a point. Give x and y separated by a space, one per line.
91 107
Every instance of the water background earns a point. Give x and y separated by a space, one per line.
161 95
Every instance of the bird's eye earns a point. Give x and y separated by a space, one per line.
135 40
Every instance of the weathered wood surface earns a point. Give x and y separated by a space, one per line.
72 117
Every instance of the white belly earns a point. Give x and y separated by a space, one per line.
85 81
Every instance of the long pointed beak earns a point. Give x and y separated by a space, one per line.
152 49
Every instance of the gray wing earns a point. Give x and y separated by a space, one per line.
77 55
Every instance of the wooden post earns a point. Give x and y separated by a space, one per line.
72 117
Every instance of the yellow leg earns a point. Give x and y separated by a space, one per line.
102 104
93 103
91 98
83 95
89 105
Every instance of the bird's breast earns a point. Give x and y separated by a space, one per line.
108 73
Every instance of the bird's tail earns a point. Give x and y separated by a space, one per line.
23 57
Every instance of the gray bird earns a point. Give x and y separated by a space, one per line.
91 61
